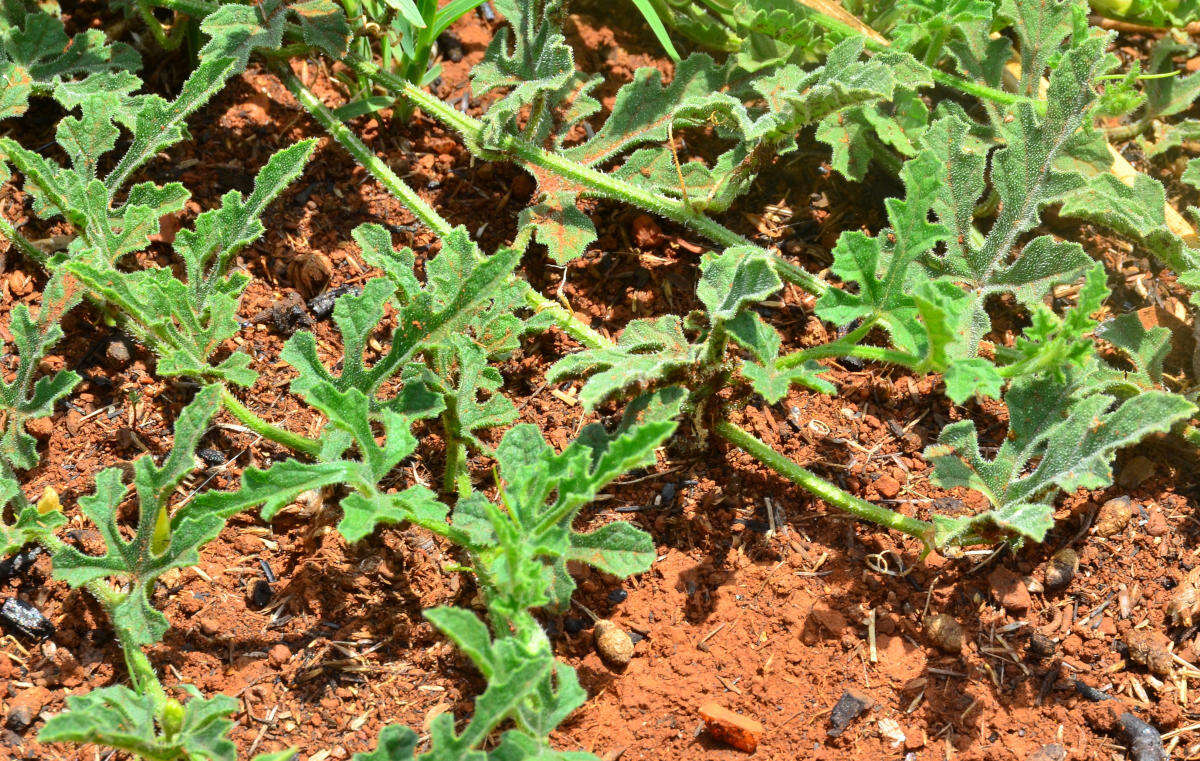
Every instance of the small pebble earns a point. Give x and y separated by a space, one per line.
945 633
574 625
613 644
117 352
731 728
887 486
1009 590
848 708
211 457
1137 470
1061 569
617 596
1113 516
24 619
210 627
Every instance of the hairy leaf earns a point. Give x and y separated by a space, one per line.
36 55
117 717
158 545
1056 441
25 398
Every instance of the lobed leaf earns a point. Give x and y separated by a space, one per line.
1057 440
118 717
158 544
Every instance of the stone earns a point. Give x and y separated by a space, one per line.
731 728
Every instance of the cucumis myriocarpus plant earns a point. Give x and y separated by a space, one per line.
915 294
517 536
924 282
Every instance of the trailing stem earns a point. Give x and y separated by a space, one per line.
608 187
831 494
279 435
383 173
592 182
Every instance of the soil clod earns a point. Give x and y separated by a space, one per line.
1135 472
1050 752
731 728
1009 590
279 655
24 709
1149 649
848 708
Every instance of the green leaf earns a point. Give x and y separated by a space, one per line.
117 717
23 398
790 97
235 31
160 125
36 53
1057 440
534 65
647 351
738 277
462 287
148 554
187 321
544 491
1135 212
1167 96
768 379
323 23
559 225
618 548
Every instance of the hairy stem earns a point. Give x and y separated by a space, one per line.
21 243
421 209
591 182
831 494
266 430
